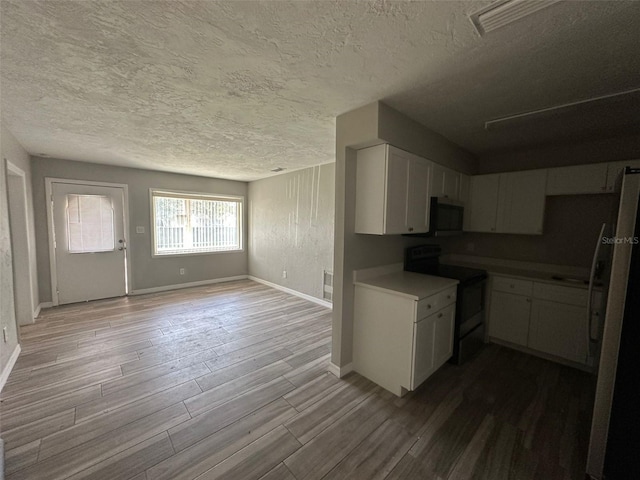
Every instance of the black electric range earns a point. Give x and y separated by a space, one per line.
470 302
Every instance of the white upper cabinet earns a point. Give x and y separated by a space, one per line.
576 180
614 169
418 199
444 182
391 191
521 202
506 203
481 210
463 193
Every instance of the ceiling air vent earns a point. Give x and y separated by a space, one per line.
504 12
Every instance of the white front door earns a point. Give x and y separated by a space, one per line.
89 242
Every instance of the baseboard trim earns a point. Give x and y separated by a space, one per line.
546 356
166 288
36 312
324 303
340 371
43 305
7 369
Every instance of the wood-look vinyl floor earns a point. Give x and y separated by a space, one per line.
230 381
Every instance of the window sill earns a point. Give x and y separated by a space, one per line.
193 254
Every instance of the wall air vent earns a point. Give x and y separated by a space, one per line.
504 12
277 169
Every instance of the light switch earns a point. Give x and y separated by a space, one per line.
139 229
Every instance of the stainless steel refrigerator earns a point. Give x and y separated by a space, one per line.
614 448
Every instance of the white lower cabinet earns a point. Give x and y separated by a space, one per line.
559 329
398 342
433 337
544 317
509 317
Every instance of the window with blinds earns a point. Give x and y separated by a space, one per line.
190 223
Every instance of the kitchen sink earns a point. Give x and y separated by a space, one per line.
579 281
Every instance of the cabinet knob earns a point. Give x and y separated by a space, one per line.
439 315
512 286
411 229
448 297
493 229
529 300
428 305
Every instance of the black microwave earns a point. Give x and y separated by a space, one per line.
445 217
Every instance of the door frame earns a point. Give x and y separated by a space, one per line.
49 181
15 171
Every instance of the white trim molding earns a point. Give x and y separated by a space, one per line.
14 170
7 369
40 307
319 301
340 371
178 286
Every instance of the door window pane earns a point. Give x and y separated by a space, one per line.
90 223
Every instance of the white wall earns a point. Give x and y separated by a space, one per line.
291 219
369 125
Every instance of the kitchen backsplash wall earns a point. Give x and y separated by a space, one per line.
571 226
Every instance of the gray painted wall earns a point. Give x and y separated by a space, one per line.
7 312
147 272
291 219
369 125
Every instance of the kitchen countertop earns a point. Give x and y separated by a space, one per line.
527 274
415 286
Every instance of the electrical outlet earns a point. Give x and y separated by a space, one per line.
284 274
4 334
139 229
182 271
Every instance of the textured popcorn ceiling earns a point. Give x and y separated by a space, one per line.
234 89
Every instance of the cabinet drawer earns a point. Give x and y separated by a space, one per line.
512 285
431 304
561 294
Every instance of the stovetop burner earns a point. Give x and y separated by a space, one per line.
425 259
